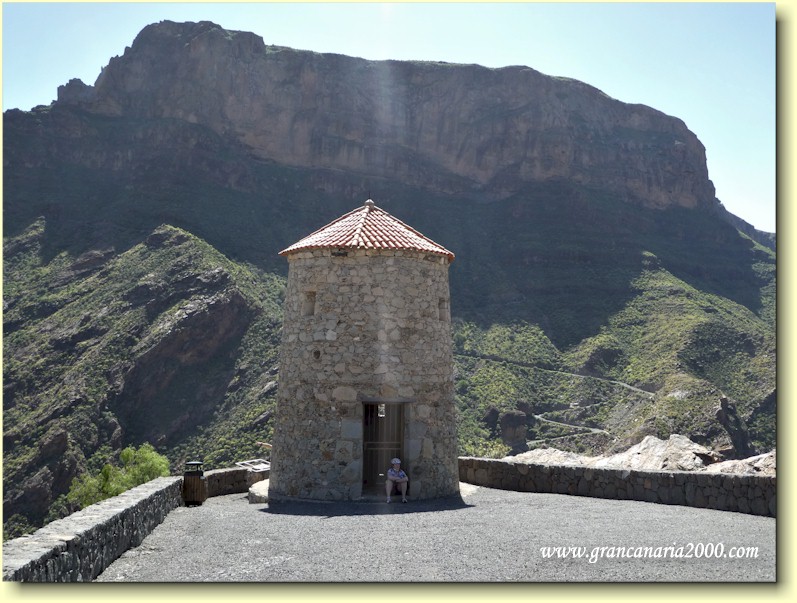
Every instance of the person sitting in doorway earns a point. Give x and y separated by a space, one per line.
397 477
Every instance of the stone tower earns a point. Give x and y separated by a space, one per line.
366 366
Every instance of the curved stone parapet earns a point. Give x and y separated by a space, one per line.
751 494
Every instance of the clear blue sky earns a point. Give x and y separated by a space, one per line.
710 64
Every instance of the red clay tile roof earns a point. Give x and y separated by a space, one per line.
368 227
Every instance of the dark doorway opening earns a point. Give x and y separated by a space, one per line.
383 439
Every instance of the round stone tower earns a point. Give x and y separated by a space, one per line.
366 367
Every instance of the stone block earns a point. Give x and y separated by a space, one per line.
758 506
351 428
510 481
258 493
414 448
422 411
651 496
689 493
352 472
343 450
344 394
417 429
318 494
677 496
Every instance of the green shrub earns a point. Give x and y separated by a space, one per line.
15 526
137 467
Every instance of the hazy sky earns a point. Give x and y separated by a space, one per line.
710 64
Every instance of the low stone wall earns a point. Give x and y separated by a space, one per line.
79 547
722 491
232 480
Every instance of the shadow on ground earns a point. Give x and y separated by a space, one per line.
370 507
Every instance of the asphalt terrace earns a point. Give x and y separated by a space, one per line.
485 535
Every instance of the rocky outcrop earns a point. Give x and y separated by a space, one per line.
451 128
678 453
75 92
762 464
514 430
729 418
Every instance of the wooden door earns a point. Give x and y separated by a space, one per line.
383 439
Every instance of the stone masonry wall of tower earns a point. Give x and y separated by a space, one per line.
363 326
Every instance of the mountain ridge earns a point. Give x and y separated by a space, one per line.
385 117
116 92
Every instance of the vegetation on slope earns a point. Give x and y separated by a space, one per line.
136 466
570 304
118 349
658 366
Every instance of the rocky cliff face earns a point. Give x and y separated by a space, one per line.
451 128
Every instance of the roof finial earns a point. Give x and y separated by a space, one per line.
369 204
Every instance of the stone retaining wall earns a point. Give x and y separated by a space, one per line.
722 491
79 547
232 480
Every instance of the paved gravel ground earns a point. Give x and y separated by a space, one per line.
485 536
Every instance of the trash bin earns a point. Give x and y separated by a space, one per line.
195 485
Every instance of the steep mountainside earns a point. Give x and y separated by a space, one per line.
106 349
600 291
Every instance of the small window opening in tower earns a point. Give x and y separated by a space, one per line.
442 309
308 303
380 411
